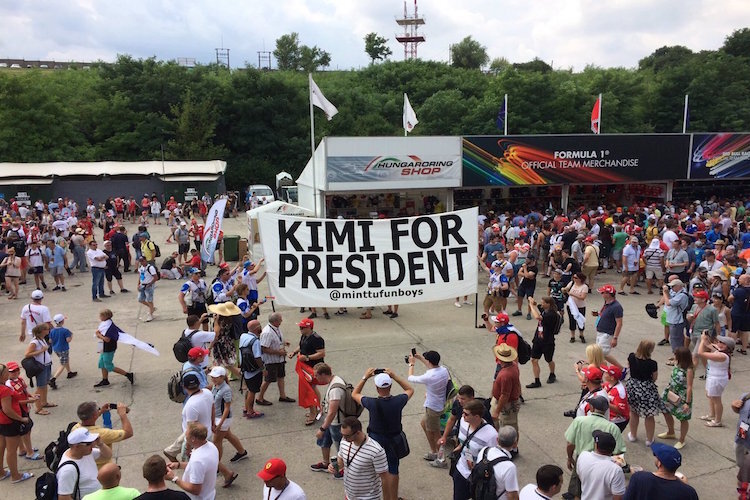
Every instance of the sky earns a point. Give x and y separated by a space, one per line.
563 33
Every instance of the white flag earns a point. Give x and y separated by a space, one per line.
212 229
410 117
319 100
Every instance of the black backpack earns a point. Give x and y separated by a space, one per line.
46 485
247 358
175 389
691 302
482 482
183 346
157 250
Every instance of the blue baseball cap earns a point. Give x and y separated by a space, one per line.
669 457
247 264
193 270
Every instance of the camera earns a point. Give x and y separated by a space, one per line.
379 370
485 317
406 359
413 351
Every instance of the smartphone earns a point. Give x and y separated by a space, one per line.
413 351
112 406
406 359
379 370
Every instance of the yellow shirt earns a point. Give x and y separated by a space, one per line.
148 250
107 436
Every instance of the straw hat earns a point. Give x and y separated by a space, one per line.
505 353
225 309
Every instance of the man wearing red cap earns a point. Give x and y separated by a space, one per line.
609 323
196 364
276 484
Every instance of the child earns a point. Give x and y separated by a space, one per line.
555 290
619 409
60 337
223 414
108 333
18 384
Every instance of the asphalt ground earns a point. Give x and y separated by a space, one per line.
352 345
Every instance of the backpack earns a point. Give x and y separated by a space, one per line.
348 406
209 293
482 482
524 349
46 485
157 250
451 389
175 390
183 346
690 303
247 358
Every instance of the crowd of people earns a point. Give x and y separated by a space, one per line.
541 266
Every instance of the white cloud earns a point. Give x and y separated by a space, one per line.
572 33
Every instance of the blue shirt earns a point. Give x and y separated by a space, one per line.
198 371
59 338
59 256
745 238
608 316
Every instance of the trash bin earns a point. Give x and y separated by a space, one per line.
231 247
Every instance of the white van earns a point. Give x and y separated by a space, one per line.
264 193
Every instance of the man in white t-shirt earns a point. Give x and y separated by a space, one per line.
200 338
549 482
631 254
34 314
199 479
277 486
97 262
199 405
506 477
148 275
601 478
85 449
435 380
330 430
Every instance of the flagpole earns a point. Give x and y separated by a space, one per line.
312 144
505 118
600 115
684 115
403 114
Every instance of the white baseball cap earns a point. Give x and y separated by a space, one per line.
37 295
218 371
82 435
383 380
59 318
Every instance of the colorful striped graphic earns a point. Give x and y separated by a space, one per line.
720 156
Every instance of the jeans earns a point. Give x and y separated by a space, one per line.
676 336
97 281
79 259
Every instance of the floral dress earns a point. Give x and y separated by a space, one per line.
224 352
678 385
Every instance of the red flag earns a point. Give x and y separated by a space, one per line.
596 115
306 396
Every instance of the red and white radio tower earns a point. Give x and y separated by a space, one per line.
410 38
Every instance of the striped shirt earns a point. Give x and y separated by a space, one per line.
272 338
362 468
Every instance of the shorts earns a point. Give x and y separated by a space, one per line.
110 273
42 379
541 348
331 435
146 294
740 323
64 356
509 414
198 308
431 419
36 270
604 340
183 248
676 336
575 489
715 386
106 361
390 451
57 270
275 371
526 290
742 457
654 273
225 426
12 429
492 301
617 255
253 383
627 274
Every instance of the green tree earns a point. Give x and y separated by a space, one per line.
376 47
312 58
665 58
287 52
498 65
534 65
193 130
469 54
738 43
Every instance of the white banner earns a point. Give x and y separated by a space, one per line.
212 229
350 263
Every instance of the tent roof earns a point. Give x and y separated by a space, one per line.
62 169
280 207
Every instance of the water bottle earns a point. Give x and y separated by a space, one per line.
107 419
441 453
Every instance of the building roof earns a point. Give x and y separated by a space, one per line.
65 169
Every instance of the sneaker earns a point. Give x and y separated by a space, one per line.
57 287
105 296
457 304
552 378
339 474
666 435
72 374
632 438
467 303
53 383
149 317
111 292
534 385
430 456
517 313
648 443
394 315
301 309
319 467
312 316
96 300
130 376
663 342
679 445
102 383
528 316
439 464
124 290
63 289
239 456
44 285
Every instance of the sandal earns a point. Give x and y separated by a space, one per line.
50 405
6 475
310 419
24 477
229 481
255 414
708 418
742 351
714 423
42 412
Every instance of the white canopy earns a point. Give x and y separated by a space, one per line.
62 169
276 207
